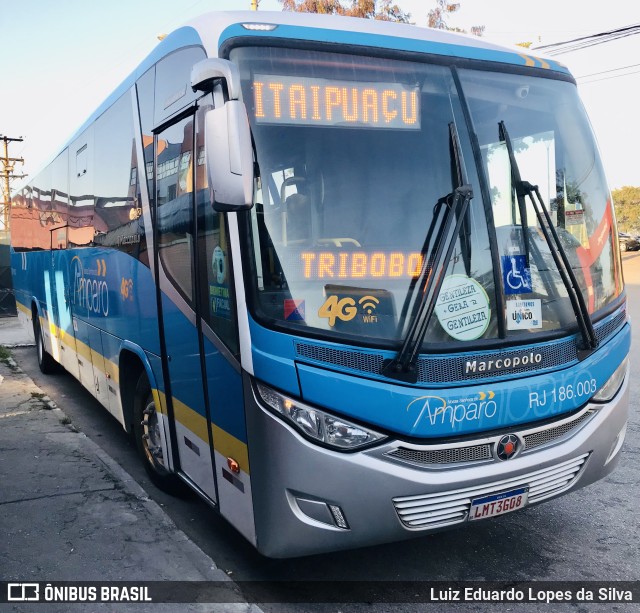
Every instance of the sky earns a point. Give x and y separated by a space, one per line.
61 59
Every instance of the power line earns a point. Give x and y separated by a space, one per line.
589 36
593 74
591 40
617 76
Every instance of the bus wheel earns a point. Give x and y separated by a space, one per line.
45 360
146 429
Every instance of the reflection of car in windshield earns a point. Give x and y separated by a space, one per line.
628 242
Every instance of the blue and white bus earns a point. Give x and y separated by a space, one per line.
351 281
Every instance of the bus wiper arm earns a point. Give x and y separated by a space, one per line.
589 338
459 178
451 207
451 210
516 179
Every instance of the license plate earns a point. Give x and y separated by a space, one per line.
498 504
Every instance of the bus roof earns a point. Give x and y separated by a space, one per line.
216 30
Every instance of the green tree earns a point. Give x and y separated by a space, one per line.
383 10
626 202
437 17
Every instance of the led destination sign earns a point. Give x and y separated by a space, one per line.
322 102
359 265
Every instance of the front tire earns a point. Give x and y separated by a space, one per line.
46 363
146 429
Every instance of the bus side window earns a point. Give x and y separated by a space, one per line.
145 88
174 205
216 295
81 220
59 200
118 210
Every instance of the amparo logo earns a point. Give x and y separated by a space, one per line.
439 411
90 290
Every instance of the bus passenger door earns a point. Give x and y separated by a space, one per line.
176 279
218 323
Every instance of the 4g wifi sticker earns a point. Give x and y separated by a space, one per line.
345 309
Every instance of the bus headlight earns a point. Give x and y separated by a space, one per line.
333 431
611 387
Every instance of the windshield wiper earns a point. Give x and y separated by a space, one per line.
459 179
518 184
525 189
436 254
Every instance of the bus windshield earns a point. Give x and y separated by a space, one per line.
355 154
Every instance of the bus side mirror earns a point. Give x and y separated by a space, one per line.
227 137
229 157
206 72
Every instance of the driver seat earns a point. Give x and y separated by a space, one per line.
297 209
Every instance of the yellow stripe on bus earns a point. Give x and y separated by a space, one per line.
191 420
231 447
531 61
527 59
226 444
82 349
23 308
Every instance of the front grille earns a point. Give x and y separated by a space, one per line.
430 511
353 360
451 455
440 369
605 328
481 452
448 368
536 439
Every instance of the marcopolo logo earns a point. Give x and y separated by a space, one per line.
503 363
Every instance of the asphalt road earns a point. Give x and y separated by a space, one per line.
591 534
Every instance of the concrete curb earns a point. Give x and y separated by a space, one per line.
199 558
201 562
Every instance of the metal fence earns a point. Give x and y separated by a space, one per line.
7 299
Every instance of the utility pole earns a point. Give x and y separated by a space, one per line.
7 300
7 173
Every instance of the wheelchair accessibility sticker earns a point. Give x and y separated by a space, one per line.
516 276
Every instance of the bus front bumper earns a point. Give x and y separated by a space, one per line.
308 499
